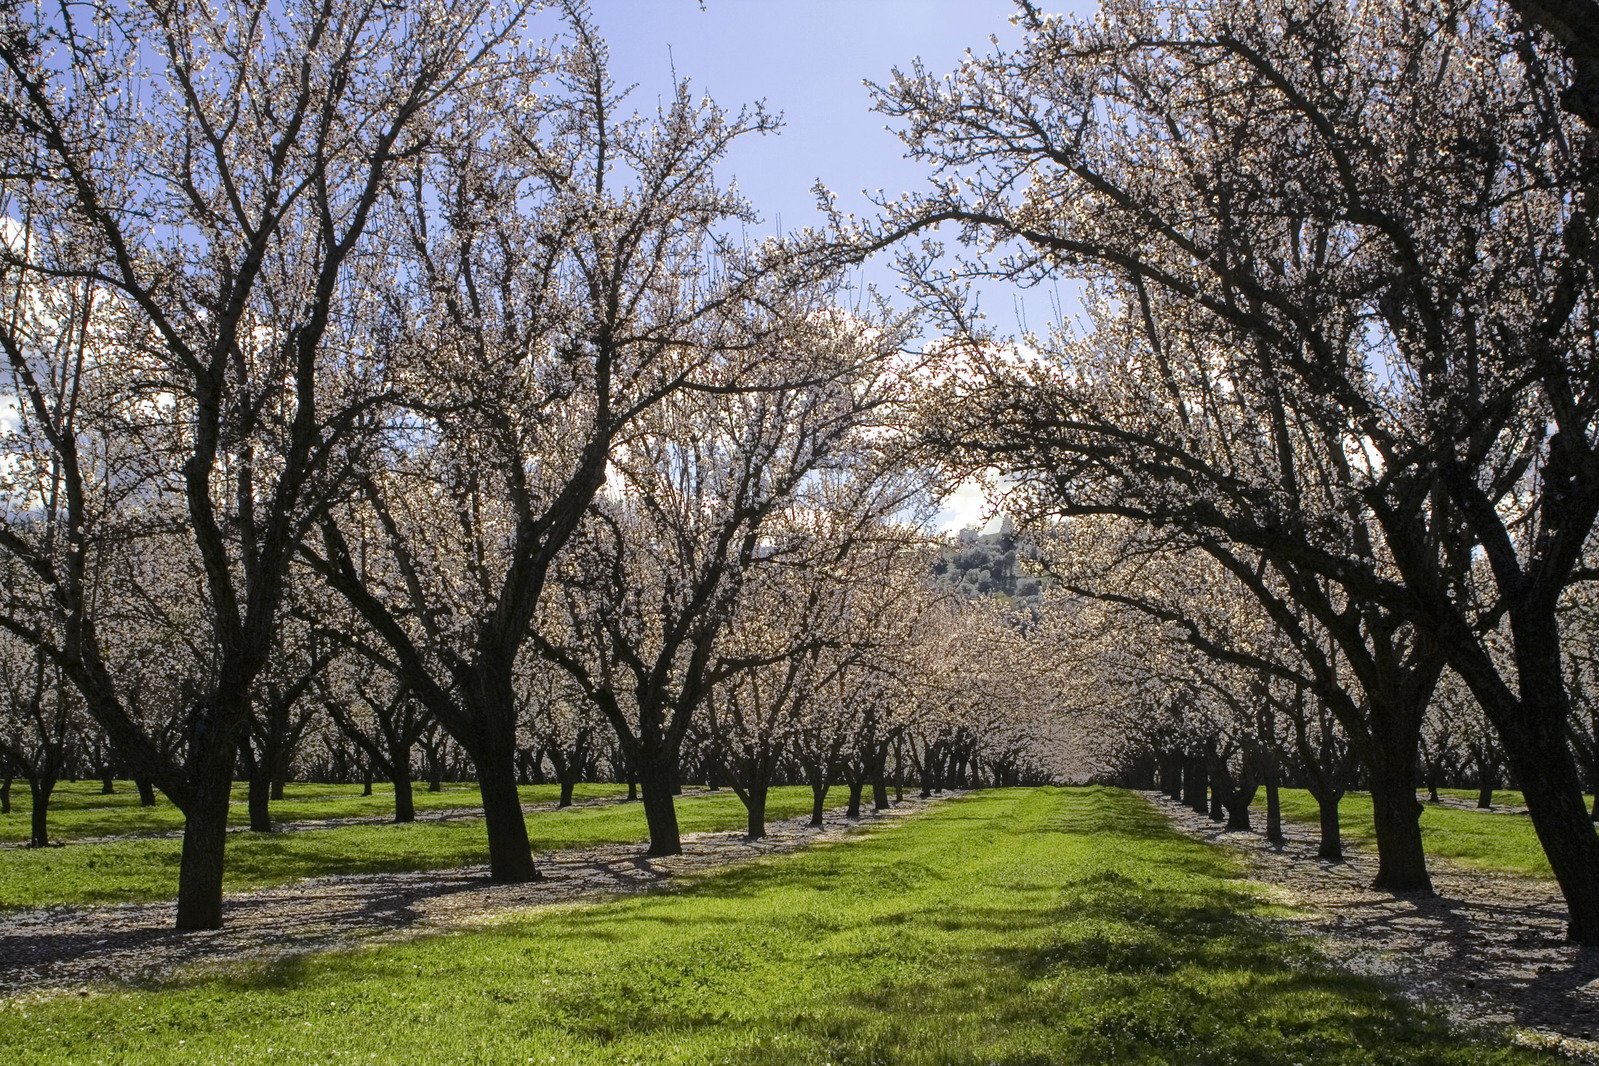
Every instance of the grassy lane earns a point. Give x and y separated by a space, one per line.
78 810
132 871
1481 839
1038 926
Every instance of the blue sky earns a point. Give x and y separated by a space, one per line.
808 59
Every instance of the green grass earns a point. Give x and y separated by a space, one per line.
1018 927
143 870
1483 840
77 809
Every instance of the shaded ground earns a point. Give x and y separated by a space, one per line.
47 951
1489 948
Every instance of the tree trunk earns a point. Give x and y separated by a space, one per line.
275 790
660 812
1237 806
1485 796
40 789
1401 862
510 854
146 791
1195 784
366 780
855 790
404 802
205 835
755 805
818 802
260 809
880 783
5 797
1561 819
108 784
1332 842
1274 812
568 785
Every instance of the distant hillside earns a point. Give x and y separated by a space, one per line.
985 564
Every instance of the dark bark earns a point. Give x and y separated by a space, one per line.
510 854
660 812
1401 862
146 791
1485 796
1274 812
567 787
39 790
205 834
754 798
404 802
260 809
108 784
818 802
856 787
1332 844
5 795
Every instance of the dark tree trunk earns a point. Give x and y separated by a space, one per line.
260 809
1274 812
275 790
108 784
146 791
818 801
568 785
404 802
754 799
1401 862
1332 842
855 790
1237 807
1593 813
1485 796
5 796
510 854
1195 784
1561 819
205 836
366 780
660 812
39 789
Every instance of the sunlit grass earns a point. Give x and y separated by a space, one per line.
1480 839
141 870
1038 926
78 810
